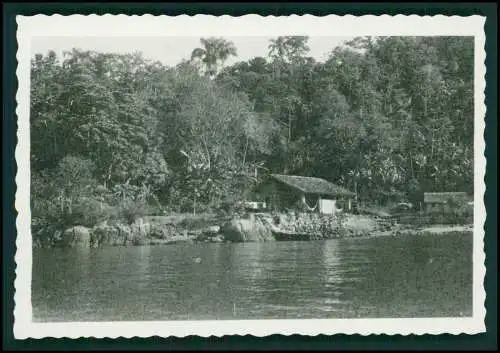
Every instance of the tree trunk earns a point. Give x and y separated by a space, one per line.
62 201
412 169
245 153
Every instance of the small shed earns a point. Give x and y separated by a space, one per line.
443 201
305 193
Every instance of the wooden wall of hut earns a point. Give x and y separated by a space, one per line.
279 197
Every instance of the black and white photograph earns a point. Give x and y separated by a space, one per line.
223 177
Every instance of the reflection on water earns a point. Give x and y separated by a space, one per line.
379 277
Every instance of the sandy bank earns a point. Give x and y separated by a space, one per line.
441 229
399 230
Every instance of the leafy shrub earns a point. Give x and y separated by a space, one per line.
89 212
456 213
157 210
195 222
130 210
161 232
463 214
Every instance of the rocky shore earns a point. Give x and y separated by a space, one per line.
260 227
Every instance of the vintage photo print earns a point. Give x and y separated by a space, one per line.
210 176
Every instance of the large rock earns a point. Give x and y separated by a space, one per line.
125 235
208 233
141 228
140 232
104 234
78 236
217 239
360 224
247 230
212 231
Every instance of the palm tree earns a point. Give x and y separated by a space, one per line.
214 52
277 47
277 51
287 49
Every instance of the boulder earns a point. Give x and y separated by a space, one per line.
211 231
141 228
139 240
217 239
105 234
125 235
247 230
78 236
178 239
205 234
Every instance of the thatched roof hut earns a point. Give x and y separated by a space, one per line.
443 197
312 185
288 191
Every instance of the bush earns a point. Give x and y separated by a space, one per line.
461 214
157 210
130 210
62 197
89 212
197 221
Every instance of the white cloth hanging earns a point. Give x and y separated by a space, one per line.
309 207
327 206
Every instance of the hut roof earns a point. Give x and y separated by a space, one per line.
442 197
310 185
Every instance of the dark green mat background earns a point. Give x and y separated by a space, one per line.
486 341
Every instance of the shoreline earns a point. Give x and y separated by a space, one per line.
437 229
250 229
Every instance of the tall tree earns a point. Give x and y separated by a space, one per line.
383 116
213 53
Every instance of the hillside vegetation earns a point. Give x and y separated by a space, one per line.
118 136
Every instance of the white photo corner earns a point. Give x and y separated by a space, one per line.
204 175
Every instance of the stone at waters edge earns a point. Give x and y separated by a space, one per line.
252 228
212 230
77 236
247 230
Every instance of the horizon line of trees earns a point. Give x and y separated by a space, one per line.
387 117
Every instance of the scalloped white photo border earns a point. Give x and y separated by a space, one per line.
248 25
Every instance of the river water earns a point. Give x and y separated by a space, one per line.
426 276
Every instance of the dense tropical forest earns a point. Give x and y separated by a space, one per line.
119 135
